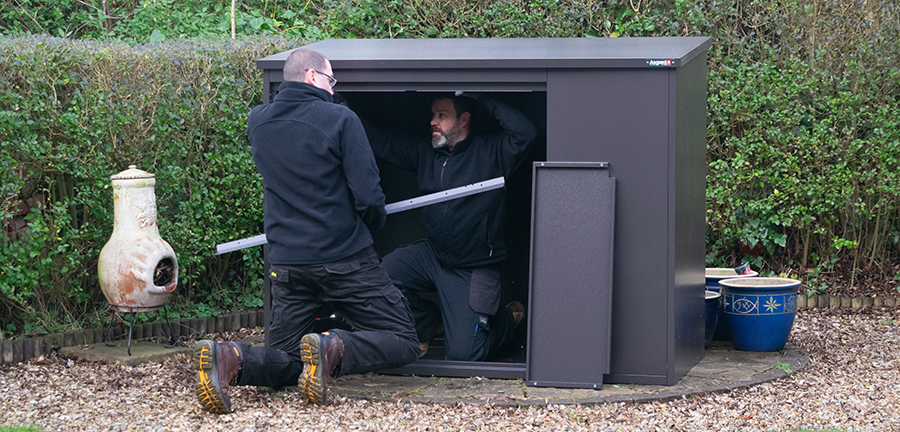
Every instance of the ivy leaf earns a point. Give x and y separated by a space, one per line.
157 36
780 239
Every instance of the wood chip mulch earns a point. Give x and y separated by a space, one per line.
851 383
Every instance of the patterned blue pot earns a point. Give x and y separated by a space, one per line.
713 276
760 311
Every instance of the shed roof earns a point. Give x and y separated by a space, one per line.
626 52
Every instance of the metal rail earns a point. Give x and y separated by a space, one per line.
399 206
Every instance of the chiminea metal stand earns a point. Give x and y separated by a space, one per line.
131 310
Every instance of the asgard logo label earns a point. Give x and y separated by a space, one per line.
660 63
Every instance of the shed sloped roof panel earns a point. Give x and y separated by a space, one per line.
503 53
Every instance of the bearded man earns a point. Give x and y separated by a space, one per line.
465 247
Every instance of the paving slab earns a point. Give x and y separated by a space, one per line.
722 369
141 352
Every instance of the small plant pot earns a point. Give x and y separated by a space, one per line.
713 304
760 311
714 275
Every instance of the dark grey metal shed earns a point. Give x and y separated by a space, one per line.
638 104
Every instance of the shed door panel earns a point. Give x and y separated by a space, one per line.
571 275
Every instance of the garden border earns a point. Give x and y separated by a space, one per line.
20 350
817 301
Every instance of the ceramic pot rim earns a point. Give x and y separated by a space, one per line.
726 273
710 295
760 283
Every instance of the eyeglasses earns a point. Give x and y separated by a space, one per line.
331 80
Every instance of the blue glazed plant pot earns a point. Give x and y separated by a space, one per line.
714 275
713 304
760 311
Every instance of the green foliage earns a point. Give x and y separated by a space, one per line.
803 135
157 20
23 428
74 113
142 21
786 367
181 310
59 18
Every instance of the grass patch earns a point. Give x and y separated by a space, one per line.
813 430
23 428
785 367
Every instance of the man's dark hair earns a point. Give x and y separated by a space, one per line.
300 61
463 105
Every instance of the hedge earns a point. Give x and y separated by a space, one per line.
73 113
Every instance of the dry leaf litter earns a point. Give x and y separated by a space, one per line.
851 383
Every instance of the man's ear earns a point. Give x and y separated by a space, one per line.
309 77
465 117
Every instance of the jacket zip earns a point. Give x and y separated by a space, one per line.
487 237
444 212
442 171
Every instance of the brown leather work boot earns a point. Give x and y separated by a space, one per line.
425 342
321 355
217 366
518 311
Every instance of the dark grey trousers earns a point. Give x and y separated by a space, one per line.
474 324
383 334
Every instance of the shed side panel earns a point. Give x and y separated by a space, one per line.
621 117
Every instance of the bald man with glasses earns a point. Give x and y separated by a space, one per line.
322 199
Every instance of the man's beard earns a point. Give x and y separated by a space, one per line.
443 139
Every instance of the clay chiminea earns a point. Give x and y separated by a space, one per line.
137 269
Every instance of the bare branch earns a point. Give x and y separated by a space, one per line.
88 4
30 16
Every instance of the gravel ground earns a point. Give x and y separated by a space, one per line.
851 383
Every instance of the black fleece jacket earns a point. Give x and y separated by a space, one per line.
322 191
465 232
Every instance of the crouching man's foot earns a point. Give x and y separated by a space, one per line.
321 355
218 366
425 342
518 312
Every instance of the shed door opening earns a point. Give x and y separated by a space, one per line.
410 112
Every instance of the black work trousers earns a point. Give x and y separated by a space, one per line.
383 334
474 324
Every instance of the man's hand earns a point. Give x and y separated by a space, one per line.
468 95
